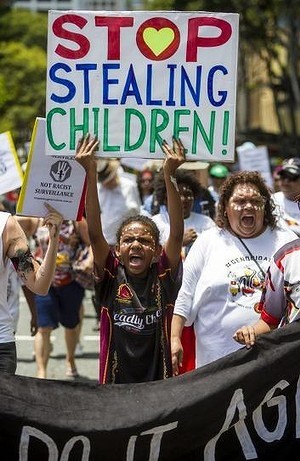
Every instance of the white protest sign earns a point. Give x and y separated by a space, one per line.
136 78
59 181
255 158
11 174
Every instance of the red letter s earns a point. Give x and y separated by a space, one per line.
81 40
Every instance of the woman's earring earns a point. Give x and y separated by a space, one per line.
225 213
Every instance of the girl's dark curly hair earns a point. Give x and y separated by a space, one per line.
143 220
183 177
245 177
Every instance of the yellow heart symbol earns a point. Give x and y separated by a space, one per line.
158 40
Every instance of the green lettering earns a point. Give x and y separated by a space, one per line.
208 140
84 127
106 147
225 131
96 120
49 118
177 127
128 131
156 128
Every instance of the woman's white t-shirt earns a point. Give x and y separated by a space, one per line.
222 286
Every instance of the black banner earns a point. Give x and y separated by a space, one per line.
245 406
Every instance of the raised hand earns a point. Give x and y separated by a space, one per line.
85 152
52 220
175 155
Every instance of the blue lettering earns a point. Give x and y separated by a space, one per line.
170 101
149 100
131 88
210 85
86 86
107 82
62 81
185 81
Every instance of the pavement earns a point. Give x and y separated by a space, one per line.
87 364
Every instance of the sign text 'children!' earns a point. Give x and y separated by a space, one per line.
136 78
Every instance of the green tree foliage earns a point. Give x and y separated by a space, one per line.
23 62
25 26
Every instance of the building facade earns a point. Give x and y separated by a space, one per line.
88 5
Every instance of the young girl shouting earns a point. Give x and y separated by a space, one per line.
137 284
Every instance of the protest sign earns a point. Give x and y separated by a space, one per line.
11 174
255 158
134 79
59 181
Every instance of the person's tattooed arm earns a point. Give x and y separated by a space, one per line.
23 263
37 277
